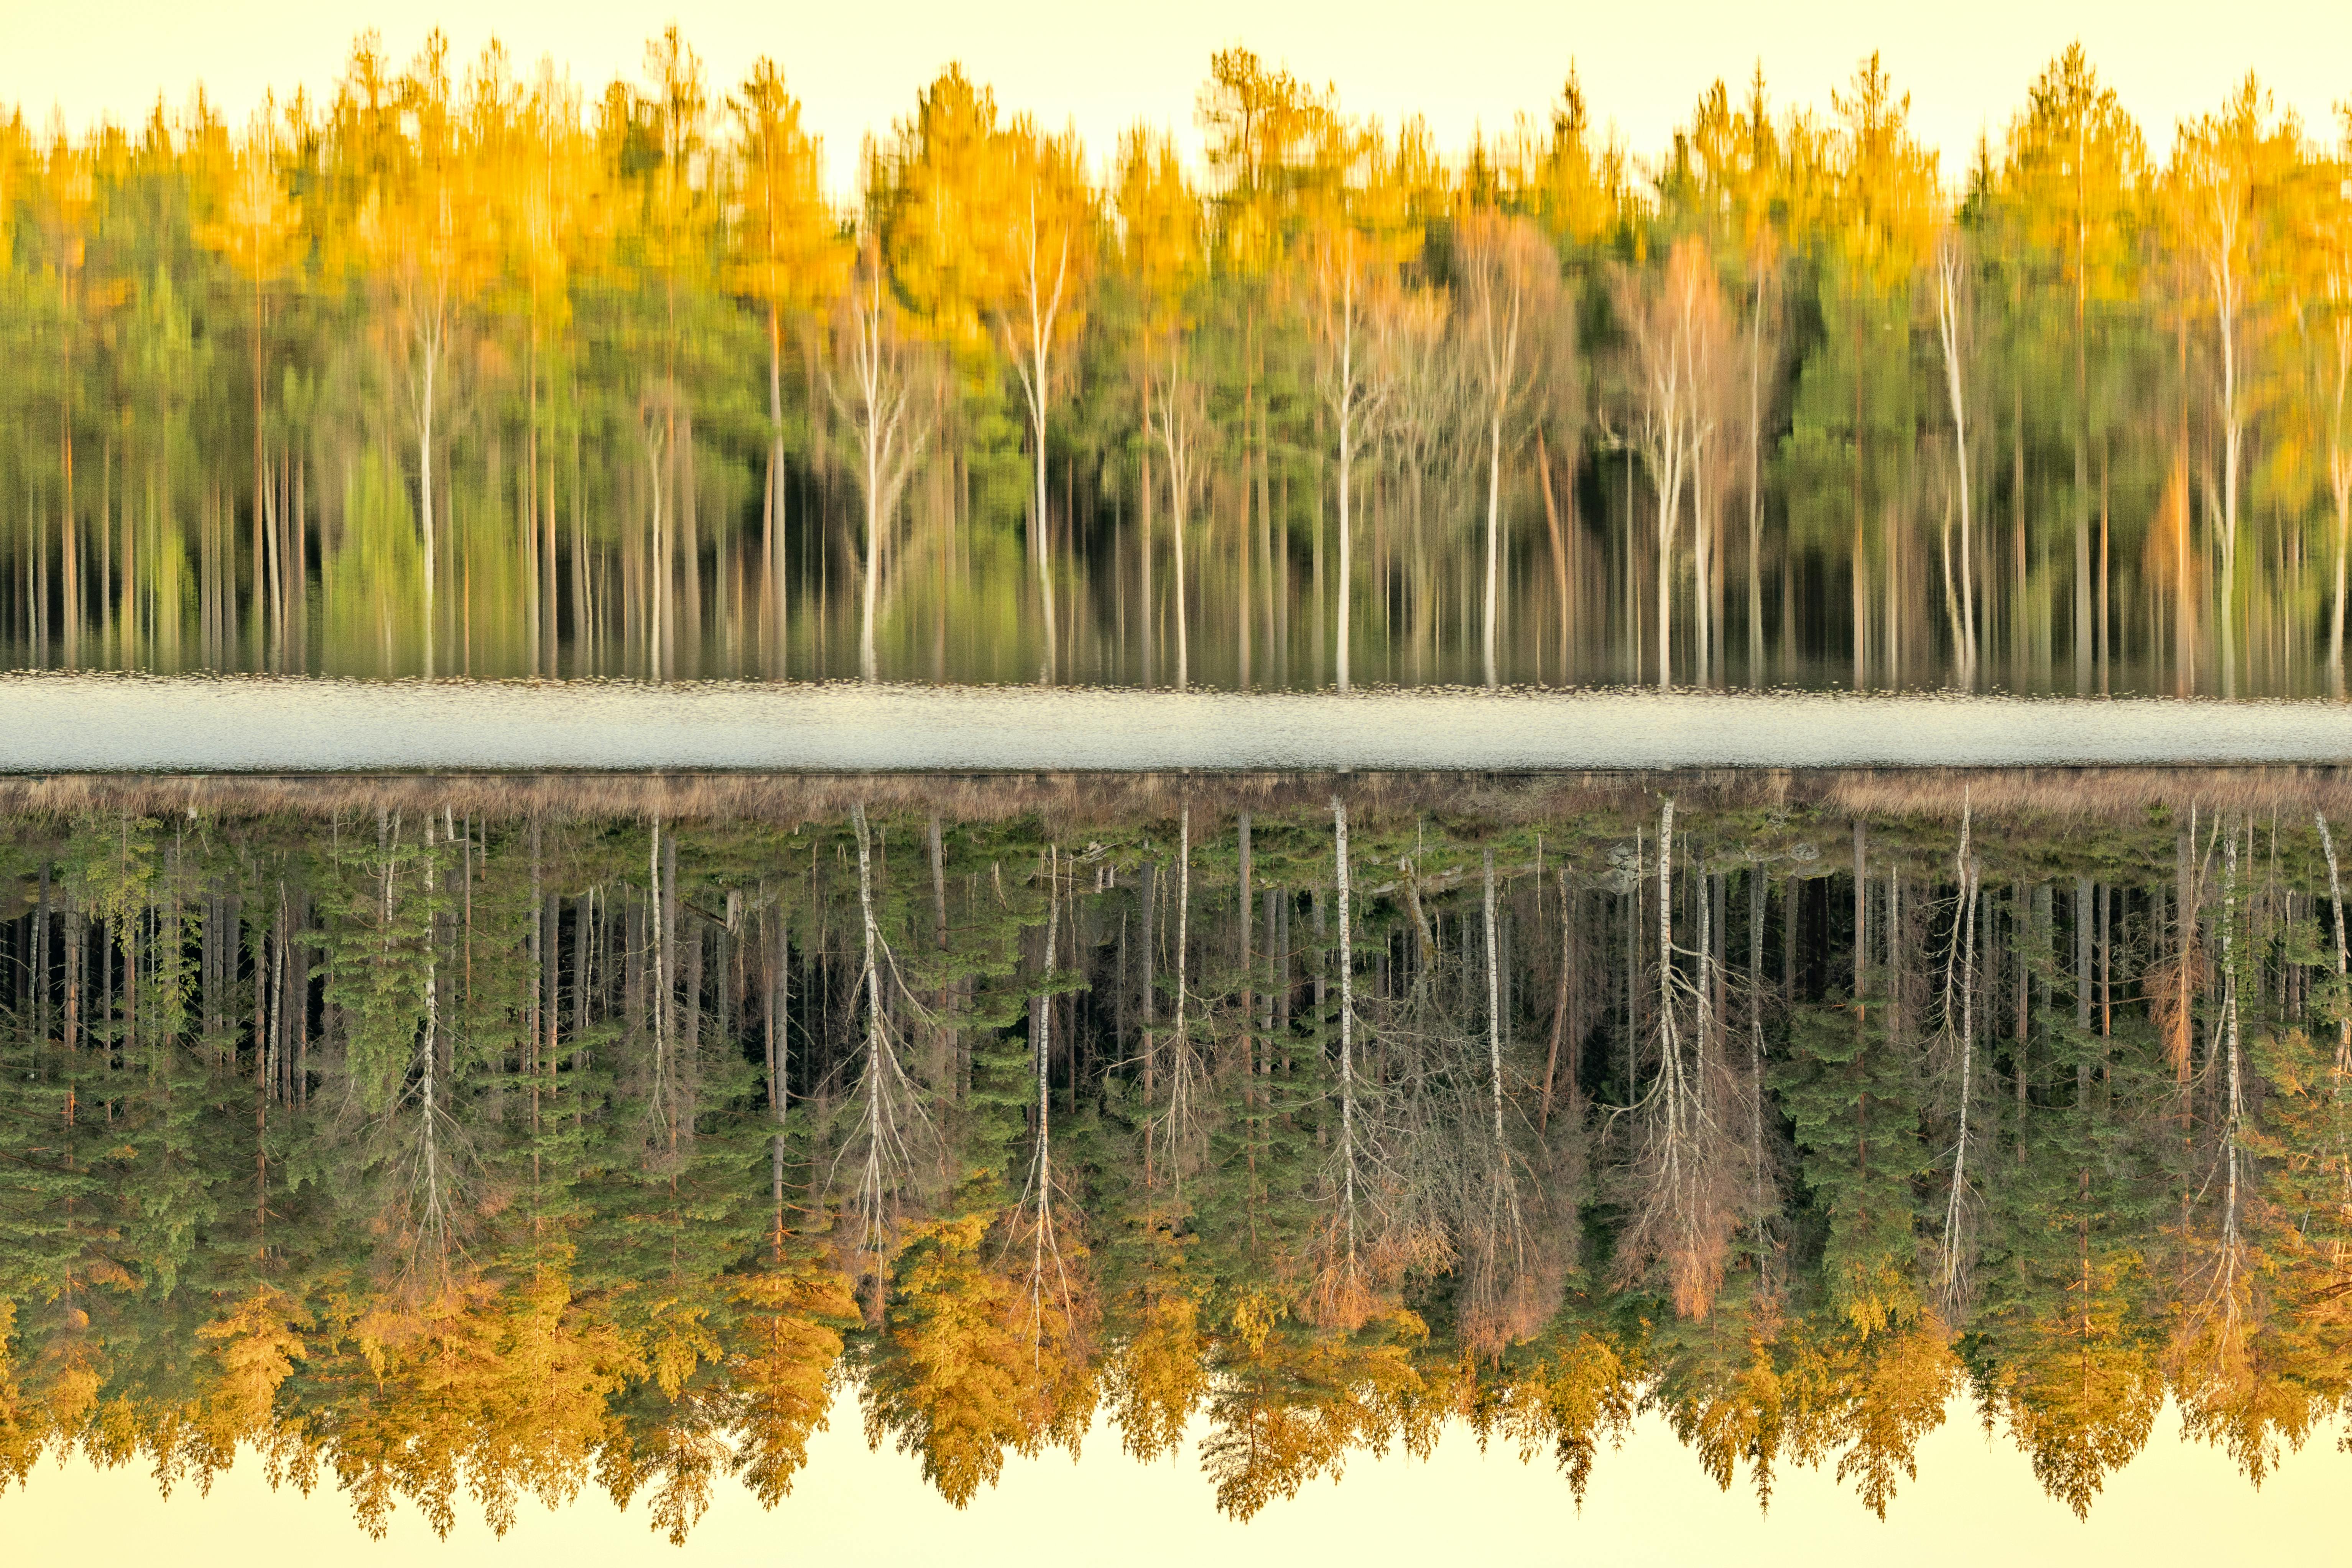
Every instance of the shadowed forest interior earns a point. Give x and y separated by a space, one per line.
511 1136
464 369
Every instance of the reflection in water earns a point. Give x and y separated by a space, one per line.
513 1137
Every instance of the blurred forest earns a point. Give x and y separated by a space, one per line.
472 370
428 1136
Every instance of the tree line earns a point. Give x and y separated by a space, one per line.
468 370
428 1142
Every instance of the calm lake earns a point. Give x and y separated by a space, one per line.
79 723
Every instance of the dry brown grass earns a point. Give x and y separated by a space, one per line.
1080 800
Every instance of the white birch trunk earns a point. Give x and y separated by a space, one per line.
1346 1026
2229 1039
1347 409
1966 935
432 353
1494 539
1033 363
1668 483
2339 478
1495 1007
1176 442
1963 611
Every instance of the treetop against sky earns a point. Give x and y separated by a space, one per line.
1065 59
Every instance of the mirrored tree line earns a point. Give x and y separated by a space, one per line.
441 1134
465 370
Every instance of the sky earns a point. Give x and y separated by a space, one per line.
1975 1503
1102 65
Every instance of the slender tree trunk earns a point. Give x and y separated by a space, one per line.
1145 550
1494 1006
1962 604
772 519
869 664
1347 1025
1493 540
1756 484
1347 410
432 351
1558 557
1559 1005
2336 909
2226 303
2339 476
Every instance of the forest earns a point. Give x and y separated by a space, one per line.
455 1141
466 369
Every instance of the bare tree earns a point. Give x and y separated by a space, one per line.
891 1132
1353 387
1041 259
1422 373
1511 288
2212 1346
890 419
1959 1020
1675 325
1681 1176
1173 413
1176 1126
1959 595
1035 1224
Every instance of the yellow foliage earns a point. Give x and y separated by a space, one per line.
1159 1374
256 1344
948 1380
782 1367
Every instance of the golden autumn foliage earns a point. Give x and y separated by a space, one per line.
663 1320
784 1364
497 346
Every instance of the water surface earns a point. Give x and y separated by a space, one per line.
97 723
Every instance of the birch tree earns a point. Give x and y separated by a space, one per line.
1959 594
2223 164
1957 1022
1353 390
891 1133
1049 257
1674 324
1679 1173
876 386
1510 296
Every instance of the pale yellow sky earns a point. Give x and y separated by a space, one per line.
1103 65
1975 1503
